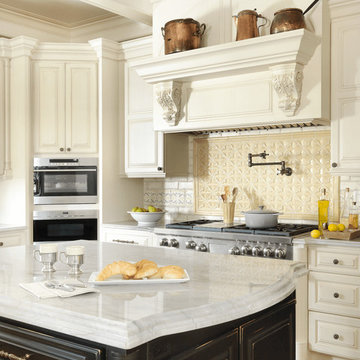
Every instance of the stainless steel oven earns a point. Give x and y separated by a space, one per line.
65 181
64 225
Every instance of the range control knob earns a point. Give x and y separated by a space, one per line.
234 251
164 242
202 247
174 243
268 251
245 249
191 244
256 250
280 253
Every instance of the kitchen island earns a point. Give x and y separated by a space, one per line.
224 299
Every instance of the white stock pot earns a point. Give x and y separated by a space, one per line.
261 219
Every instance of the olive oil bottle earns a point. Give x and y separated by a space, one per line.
323 211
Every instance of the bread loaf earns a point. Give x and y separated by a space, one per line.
140 270
169 272
117 268
145 268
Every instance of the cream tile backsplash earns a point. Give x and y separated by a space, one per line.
219 159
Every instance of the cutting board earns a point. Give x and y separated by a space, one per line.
342 235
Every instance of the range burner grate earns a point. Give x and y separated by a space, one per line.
189 224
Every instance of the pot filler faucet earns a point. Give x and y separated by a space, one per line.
283 171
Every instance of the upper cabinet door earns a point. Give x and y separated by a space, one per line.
65 107
345 95
81 108
49 107
144 147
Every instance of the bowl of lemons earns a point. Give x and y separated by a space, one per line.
146 216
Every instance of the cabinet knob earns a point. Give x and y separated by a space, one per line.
334 164
336 295
336 336
1 243
68 149
335 261
61 149
159 168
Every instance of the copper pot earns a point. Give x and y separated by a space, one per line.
182 34
246 24
286 20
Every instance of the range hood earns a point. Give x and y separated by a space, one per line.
253 82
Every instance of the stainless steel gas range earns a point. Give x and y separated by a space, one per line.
216 237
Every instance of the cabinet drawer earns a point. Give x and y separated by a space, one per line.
336 294
335 260
334 335
12 238
126 237
20 343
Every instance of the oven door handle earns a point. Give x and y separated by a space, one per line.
63 170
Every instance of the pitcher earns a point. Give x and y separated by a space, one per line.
246 23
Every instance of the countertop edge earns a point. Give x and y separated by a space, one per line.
128 335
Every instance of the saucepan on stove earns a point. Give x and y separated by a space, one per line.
260 218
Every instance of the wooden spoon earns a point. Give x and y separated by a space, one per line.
227 192
234 193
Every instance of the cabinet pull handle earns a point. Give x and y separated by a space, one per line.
336 336
6 355
68 149
159 168
61 149
125 241
334 164
1 243
335 261
336 295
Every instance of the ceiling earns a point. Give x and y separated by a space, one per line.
73 13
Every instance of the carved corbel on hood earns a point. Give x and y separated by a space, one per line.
168 95
287 82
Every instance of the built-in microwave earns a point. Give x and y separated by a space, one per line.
65 181
64 225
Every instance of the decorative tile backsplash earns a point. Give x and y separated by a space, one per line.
224 161
217 160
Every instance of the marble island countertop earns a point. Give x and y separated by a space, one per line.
221 288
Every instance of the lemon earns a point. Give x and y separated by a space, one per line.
341 227
333 227
315 234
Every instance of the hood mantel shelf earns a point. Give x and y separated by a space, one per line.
249 55
283 55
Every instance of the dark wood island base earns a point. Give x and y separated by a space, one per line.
266 335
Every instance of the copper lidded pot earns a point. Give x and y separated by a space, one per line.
246 24
286 20
182 34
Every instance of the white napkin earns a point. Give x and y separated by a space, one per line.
41 291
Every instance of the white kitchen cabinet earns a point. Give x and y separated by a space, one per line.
144 147
345 89
125 236
12 238
148 153
334 310
65 107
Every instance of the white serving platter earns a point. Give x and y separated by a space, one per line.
118 280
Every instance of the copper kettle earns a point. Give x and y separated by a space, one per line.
246 23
